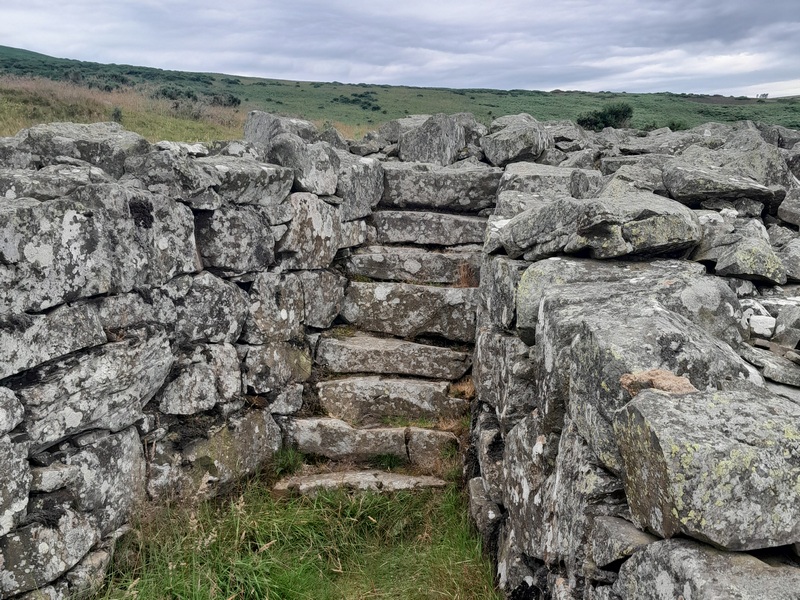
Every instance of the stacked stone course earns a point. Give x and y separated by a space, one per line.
171 315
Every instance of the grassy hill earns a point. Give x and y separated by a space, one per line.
165 104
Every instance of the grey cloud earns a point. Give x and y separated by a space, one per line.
643 45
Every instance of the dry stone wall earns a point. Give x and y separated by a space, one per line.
171 315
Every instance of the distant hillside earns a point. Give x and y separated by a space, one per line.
360 107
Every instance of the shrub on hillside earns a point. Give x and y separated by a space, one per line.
616 114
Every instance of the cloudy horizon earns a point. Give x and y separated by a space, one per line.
701 46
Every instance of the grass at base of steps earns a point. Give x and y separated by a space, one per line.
255 545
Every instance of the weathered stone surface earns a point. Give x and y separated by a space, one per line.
438 229
353 233
409 311
169 170
613 538
789 210
681 286
373 400
289 401
486 515
503 376
500 278
203 309
232 451
11 411
438 140
655 379
650 337
105 145
551 181
335 439
367 354
246 181
738 248
29 340
360 185
515 137
609 227
16 483
634 178
49 182
102 388
314 235
108 238
392 130
675 568
428 449
488 441
36 554
323 296
689 184
111 483
511 202
461 188
778 135
235 239
269 368
201 379
262 127
361 481
277 309
415 265
316 165
721 467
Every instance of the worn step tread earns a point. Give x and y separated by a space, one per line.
374 399
363 353
459 265
362 481
408 311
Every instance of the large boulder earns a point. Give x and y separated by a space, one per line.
720 467
316 166
235 238
638 223
262 127
48 183
105 145
675 568
438 140
515 137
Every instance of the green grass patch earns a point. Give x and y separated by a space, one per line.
256 546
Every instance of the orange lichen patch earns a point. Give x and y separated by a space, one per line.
657 379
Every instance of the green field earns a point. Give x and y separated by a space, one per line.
353 108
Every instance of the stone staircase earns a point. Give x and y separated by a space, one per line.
394 378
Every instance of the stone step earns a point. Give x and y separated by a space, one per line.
428 228
408 311
375 399
336 440
460 188
360 481
362 353
416 265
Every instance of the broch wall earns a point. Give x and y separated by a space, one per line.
171 315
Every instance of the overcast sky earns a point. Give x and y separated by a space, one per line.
737 47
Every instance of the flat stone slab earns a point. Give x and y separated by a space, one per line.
416 265
360 481
335 439
423 185
408 311
373 399
367 354
720 467
428 228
